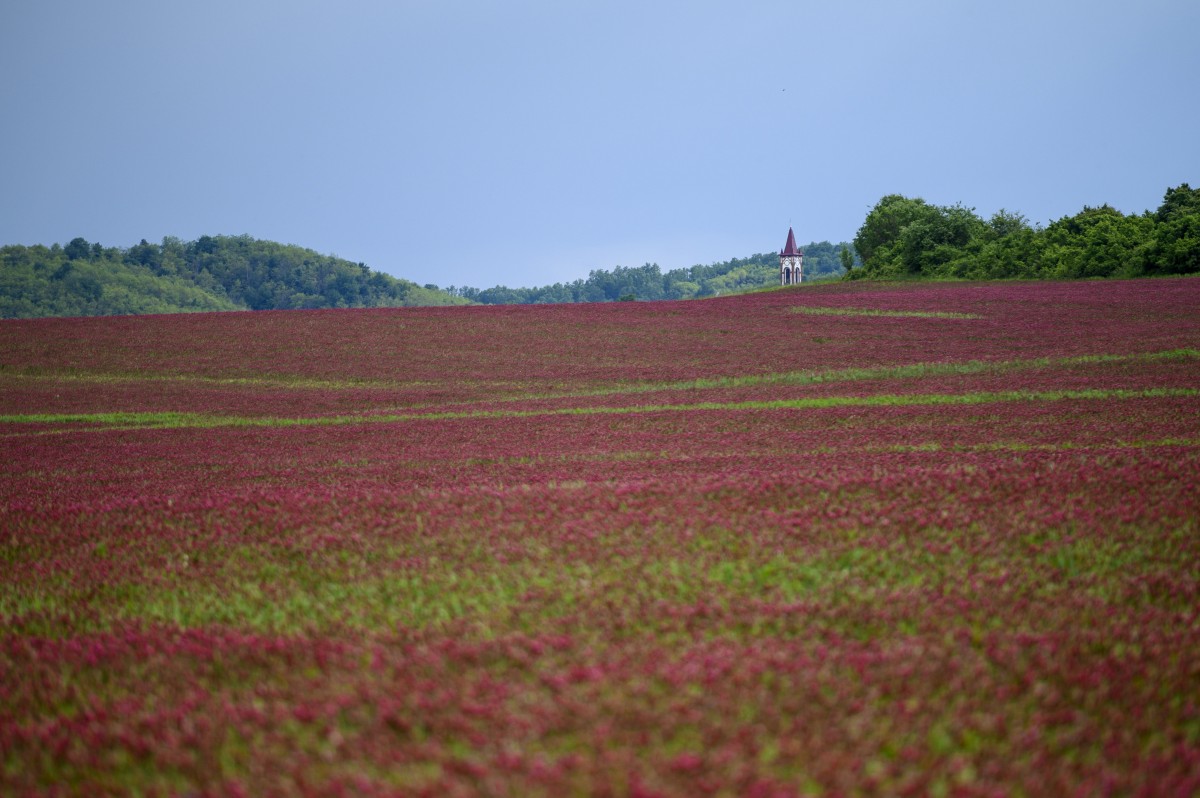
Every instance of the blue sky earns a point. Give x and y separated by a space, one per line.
527 142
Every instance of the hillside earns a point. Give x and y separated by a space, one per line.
211 273
821 260
243 273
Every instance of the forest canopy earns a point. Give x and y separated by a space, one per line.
211 273
906 237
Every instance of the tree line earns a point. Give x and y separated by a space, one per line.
900 238
84 278
906 237
210 273
648 282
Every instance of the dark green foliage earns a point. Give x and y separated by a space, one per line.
78 249
649 282
904 237
1175 246
886 221
265 275
211 273
88 280
846 256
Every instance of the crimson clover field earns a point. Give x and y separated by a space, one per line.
843 539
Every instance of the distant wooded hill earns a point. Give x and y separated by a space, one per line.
211 273
649 282
243 273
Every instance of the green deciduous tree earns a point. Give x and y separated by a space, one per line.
909 237
78 249
882 228
846 256
1174 247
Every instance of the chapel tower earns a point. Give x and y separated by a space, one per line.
791 262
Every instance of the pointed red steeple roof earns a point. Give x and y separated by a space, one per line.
790 247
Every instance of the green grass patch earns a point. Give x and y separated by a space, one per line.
810 377
853 569
893 314
197 420
180 420
275 381
860 374
909 371
299 597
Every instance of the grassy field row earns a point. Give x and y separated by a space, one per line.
198 420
